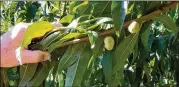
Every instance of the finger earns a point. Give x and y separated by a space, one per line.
36 56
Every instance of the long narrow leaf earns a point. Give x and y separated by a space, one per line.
77 71
65 38
27 72
120 56
107 66
118 10
39 76
67 58
145 35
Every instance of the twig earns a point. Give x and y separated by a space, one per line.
147 17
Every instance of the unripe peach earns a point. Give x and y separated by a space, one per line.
109 43
134 27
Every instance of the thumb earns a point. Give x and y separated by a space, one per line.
29 56
17 32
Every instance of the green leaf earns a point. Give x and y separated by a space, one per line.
100 9
35 30
72 5
153 5
103 20
40 75
26 73
148 70
135 53
120 56
52 38
99 20
107 66
73 25
131 7
97 50
80 5
145 36
4 78
98 47
118 10
70 36
62 40
169 23
82 10
72 69
75 72
67 19
67 58
61 80
93 36
71 74
48 81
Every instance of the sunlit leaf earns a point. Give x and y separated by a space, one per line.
70 35
67 19
37 29
80 5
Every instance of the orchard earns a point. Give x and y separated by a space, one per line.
99 43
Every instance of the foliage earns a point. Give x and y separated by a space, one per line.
147 58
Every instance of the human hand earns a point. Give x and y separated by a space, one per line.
11 40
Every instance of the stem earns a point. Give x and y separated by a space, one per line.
86 39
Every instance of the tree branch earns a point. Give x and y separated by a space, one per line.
110 31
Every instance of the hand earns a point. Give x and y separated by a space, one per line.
11 40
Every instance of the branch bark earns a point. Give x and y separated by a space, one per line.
110 31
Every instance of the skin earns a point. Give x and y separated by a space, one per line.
11 40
